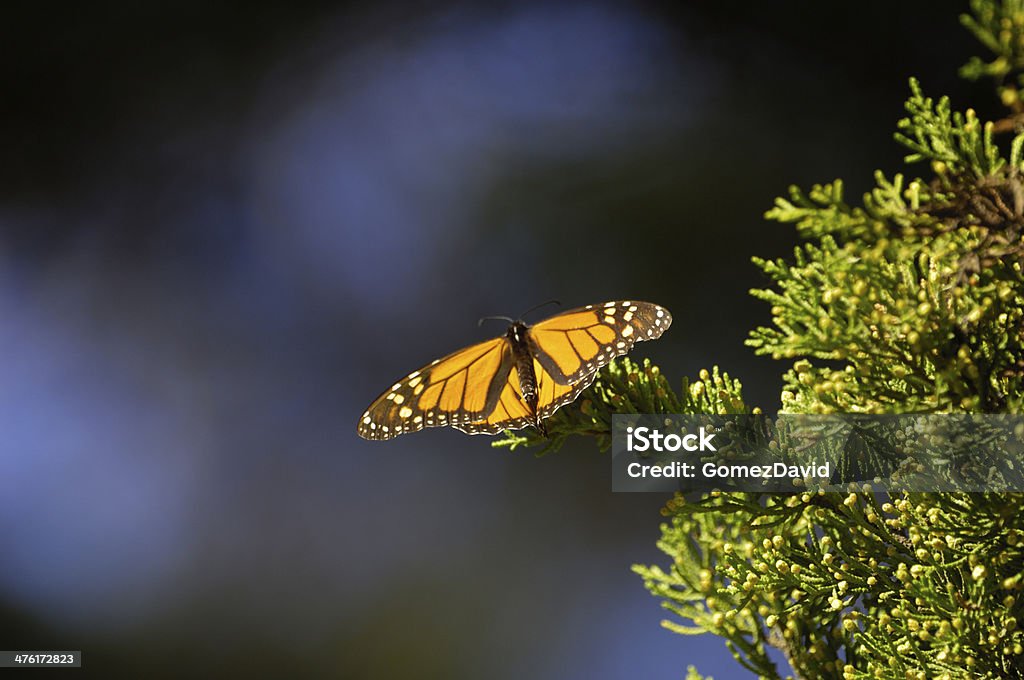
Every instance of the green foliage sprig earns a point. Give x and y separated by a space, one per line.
918 292
851 587
999 26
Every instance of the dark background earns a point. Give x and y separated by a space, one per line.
225 229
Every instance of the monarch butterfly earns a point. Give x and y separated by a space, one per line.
515 380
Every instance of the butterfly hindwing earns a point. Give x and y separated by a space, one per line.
553 395
578 342
509 413
462 387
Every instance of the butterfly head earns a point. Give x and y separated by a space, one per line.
516 331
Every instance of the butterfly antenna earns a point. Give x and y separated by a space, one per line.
493 318
536 307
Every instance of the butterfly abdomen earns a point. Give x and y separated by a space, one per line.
524 364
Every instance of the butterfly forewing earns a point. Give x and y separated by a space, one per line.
576 343
460 388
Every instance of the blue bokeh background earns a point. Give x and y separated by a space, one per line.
224 230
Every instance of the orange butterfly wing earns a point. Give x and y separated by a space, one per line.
510 413
462 387
574 344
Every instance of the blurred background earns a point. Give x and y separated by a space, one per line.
224 229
